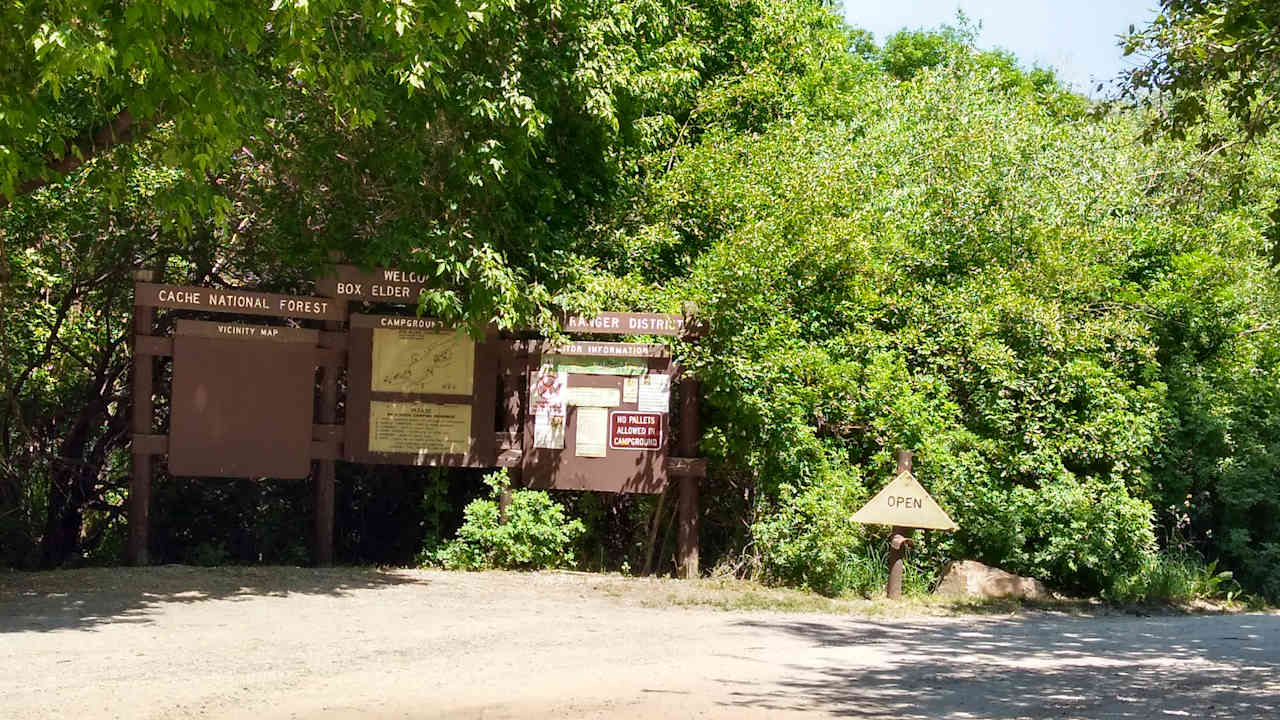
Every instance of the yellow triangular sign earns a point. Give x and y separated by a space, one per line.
905 502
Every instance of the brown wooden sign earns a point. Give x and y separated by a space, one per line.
581 415
398 321
242 400
239 302
238 331
606 349
625 323
379 285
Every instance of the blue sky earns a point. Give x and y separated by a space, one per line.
1076 37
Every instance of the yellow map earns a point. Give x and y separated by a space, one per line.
422 361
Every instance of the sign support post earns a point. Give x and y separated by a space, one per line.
690 431
900 537
143 416
324 480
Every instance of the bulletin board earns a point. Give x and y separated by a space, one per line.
600 417
419 393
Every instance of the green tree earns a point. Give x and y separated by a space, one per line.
475 146
941 264
83 76
1201 54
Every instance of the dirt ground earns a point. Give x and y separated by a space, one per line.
268 643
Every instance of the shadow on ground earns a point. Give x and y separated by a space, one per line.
1033 667
80 599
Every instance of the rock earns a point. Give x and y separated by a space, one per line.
970 577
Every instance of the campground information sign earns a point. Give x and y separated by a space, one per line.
319 381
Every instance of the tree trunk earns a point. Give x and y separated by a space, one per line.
74 474
65 516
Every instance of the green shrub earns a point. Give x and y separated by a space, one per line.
807 540
534 535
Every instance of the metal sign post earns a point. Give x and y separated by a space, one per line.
903 505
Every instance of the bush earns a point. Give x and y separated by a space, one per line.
808 540
534 536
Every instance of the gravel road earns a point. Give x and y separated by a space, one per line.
268 643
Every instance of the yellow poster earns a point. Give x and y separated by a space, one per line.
419 428
406 360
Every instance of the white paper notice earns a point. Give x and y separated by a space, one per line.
630 389
655 393
592 437
592 396
548 400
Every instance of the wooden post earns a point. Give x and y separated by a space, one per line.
690 433
899 538
653 533
324 475
515 388
143 418
897 550
323 488
504 504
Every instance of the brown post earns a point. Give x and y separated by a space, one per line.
898 539
143 418
515 376
690 433
324 477
515 388
897 550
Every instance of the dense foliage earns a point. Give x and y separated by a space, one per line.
1198 55
1015 298
920 245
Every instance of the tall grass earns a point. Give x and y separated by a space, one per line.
867 573
1175 577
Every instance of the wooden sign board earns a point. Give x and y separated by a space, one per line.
606 349
238 302
905 503
625 323
419 393
594 422
379 285
242 400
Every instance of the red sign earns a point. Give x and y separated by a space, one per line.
629 430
